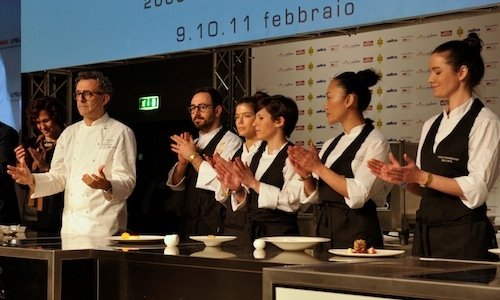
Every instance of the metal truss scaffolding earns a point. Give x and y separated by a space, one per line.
232 78
56 84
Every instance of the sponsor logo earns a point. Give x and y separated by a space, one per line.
446 33
321 50
406 89
320 127
406 38
391 123
321 81
391 90
391 57
490 46
300 83
299 98
426 36
392 40
320 96
367 43
301 112
406 55
283 54
320 111
351 46
491 64
286 69
391 74
405 105
334 48
491 28
391 106
320 65
406 72
367 59
300 127
300 52
281 84
300 67
491 82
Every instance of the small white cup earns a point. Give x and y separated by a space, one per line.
171 240
259 244
171 251
259 253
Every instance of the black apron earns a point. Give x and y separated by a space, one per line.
447 228
270 222
202 213
235 222
335 219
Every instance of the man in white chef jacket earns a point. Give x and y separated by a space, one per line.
94 163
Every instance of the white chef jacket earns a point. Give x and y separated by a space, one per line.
80 150
484 140
287 198
207 176
364 185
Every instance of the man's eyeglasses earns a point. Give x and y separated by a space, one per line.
201 107
86 95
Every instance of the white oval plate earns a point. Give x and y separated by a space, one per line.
212 240
137 238
295 243
380 253
495 251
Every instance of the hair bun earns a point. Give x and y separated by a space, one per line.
368 77
474 41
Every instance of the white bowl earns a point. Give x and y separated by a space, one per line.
212 240
295 243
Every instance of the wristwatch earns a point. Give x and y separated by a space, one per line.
193 156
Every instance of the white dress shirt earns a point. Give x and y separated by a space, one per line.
484 140
364 185
80 150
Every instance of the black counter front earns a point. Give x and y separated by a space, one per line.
79 267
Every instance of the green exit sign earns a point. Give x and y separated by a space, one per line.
149 103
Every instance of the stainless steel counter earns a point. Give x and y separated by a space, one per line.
80 267
401 278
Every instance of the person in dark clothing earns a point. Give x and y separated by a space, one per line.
245 113
192 175
269 188
457 160
337 181
9 208
47 115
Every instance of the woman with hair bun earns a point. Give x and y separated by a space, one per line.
457 160
338 181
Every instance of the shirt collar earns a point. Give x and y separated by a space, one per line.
103 119
459 111
355 130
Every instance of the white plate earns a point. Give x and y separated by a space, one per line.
380 253
137 239
495 251
213 252
212 240
295 243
